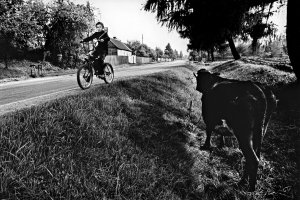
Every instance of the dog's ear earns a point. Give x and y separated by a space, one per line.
202 70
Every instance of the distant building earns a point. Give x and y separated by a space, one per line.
118 48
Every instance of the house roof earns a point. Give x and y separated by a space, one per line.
119 45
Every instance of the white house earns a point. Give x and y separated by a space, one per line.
118 48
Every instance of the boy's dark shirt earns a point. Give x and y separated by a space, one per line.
102 46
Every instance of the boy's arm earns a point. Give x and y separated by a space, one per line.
89 38
105 37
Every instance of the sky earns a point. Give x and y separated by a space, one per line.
279 19
126 20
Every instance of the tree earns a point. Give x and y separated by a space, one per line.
180 55
134 45
31 25
169 51
142 51
209 22
292 34
39 11
68 24
194 55
292 30
206 23
276 45
153 54
176 55
256 25
19 26
8 28
159 52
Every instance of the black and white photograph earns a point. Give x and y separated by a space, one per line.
149 100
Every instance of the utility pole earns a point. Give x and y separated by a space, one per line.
142 39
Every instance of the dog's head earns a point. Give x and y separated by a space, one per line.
205 80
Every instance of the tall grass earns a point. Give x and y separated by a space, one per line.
134 139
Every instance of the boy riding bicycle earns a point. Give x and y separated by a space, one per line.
101 49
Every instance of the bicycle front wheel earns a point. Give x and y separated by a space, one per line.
85 76
108 73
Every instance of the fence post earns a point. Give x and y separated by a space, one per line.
32 71
40 70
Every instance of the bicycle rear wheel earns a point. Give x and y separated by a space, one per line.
108 73
85 76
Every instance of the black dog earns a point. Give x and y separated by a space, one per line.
245 106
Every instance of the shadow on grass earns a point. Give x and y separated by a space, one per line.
289 97
158 136
168 138
281 145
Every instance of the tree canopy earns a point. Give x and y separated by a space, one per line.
32 25
68 24
20 26
144 50
206 23
257 25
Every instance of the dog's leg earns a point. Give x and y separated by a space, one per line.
221 137
252 160
207 144
257 138
222 141
271 104
261 120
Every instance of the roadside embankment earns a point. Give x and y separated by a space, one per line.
135 139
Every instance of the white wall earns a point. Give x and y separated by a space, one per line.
123 53
132 59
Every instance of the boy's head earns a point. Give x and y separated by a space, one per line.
99 26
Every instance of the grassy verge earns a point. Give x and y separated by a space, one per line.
21 70
134 139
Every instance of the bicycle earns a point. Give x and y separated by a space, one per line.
85 72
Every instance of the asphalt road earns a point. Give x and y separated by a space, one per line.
20 94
